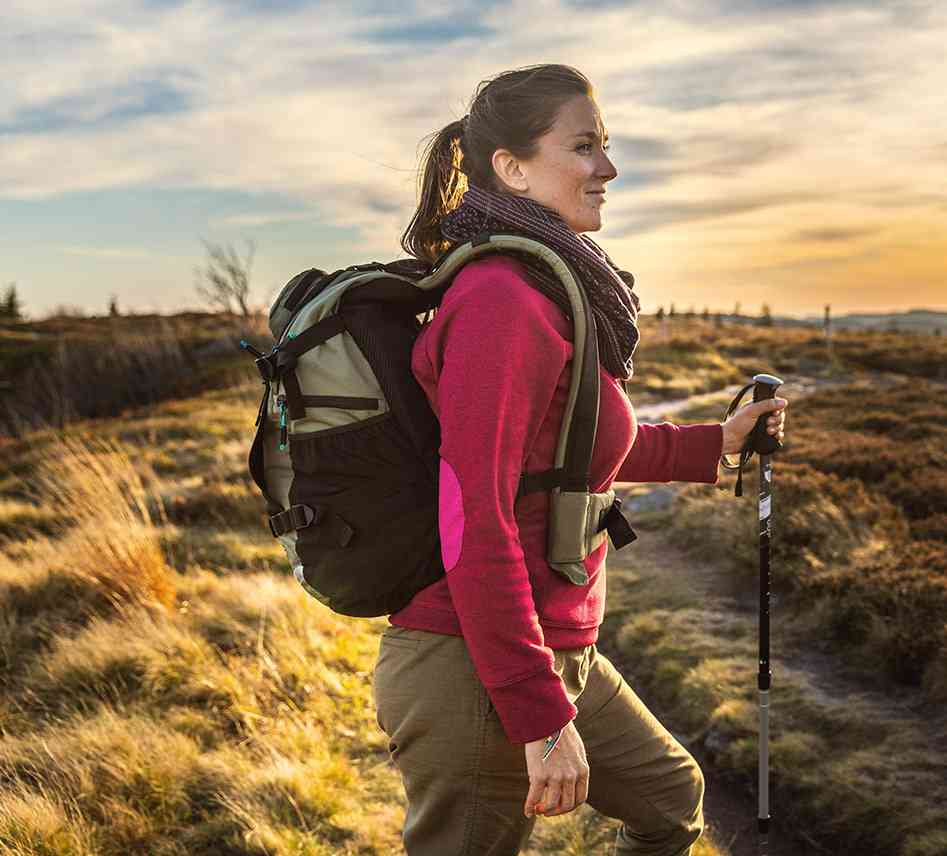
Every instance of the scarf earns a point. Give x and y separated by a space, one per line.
614 304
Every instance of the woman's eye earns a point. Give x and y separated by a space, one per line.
605 148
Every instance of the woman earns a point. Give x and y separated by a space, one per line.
495 664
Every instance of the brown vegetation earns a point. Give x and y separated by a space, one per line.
167 688
679 356
152 709
61 370
860 496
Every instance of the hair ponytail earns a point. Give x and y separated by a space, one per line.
441 186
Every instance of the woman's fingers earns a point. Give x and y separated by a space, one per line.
582 789
777 423
566 801
550 802
536 788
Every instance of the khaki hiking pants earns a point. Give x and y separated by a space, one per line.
466 783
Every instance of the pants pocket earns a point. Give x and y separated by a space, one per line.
399 637
395 676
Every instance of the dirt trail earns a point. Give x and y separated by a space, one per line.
730 807
796 386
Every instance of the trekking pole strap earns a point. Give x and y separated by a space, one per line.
758 440
746 452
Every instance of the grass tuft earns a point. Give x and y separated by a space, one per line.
107 535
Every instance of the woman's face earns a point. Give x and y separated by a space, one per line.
569 172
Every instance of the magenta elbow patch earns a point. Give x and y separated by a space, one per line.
450 515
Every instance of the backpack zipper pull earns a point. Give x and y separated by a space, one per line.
281 400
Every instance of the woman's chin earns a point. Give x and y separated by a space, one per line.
591 223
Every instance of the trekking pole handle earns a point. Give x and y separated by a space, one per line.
764 386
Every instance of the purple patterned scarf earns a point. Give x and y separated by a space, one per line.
614 305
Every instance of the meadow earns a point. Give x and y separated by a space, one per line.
859 605
167 687
67 368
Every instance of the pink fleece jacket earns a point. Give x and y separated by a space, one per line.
495 363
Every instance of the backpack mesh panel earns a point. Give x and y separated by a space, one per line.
385 332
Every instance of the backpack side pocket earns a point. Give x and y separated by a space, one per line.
373 542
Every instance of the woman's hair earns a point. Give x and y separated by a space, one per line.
511 111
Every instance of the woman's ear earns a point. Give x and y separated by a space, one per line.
509 171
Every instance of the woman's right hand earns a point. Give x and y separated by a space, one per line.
561 782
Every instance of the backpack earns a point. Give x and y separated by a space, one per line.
345 452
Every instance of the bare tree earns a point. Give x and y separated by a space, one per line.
226 278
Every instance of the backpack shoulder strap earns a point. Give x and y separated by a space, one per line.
577 435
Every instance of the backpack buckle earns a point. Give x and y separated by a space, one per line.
619 529
266 368
295 517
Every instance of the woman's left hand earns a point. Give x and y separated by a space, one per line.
742 420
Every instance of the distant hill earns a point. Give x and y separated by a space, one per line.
914 320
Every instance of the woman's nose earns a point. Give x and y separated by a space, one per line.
607 169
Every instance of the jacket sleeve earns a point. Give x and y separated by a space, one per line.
497 358
666 452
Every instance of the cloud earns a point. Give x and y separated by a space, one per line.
695 10
643 218
778 69
834 235
645 148
107 252
263 218
898 196
435 31
99 109
810 263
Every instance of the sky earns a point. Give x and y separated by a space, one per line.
786 152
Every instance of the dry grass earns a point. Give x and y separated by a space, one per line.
168 689
68 369
195 710
108 536
681 366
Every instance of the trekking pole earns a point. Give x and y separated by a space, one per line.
759 441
